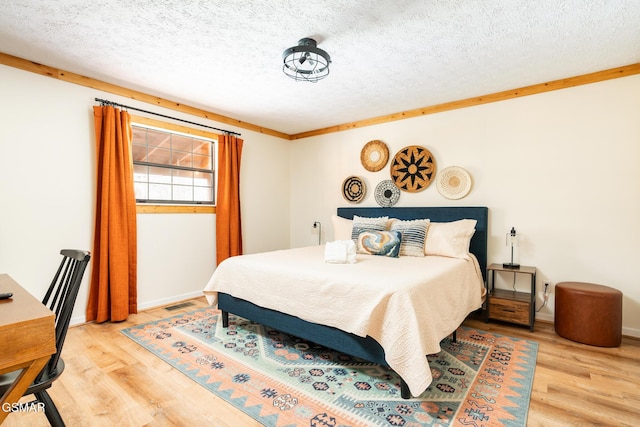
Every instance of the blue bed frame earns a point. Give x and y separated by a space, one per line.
365 348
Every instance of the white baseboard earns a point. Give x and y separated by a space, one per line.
544 317
631 332
148 304
169 300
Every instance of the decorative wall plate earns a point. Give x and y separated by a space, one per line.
374 155
353 189
386 193
413 168
453 182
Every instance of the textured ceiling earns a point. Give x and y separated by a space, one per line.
387 55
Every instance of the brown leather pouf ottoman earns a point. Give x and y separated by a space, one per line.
589 314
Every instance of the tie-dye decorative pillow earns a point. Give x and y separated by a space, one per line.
363 223
385 243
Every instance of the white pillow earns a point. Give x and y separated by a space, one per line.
341 228
450 239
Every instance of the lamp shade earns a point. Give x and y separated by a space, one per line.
512 244
306 62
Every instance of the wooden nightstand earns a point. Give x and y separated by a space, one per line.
507 305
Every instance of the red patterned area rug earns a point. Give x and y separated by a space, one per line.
482 379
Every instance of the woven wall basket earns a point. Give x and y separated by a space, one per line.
453 182
353 189
413 168
374 155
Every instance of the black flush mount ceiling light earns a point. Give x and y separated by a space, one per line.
306 62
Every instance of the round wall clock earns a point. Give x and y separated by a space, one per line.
387 194
353 189
413 168
374 155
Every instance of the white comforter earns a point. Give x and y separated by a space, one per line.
407 304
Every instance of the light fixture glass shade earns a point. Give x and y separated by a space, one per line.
512 244
306 62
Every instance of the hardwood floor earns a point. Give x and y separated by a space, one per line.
109 380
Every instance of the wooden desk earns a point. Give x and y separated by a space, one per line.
27 337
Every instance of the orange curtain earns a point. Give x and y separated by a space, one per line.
113 289
228 224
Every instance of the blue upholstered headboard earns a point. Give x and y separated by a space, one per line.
479 240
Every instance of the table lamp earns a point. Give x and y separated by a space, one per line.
512 243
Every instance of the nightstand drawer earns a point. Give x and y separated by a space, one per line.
509 310
511 305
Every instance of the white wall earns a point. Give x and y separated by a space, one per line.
561 167
47 195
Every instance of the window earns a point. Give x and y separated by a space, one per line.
171 167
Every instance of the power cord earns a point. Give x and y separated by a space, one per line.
545 296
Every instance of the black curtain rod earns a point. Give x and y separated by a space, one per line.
115 104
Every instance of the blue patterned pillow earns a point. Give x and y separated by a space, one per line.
385 243
414 234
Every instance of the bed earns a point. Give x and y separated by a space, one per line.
402 326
